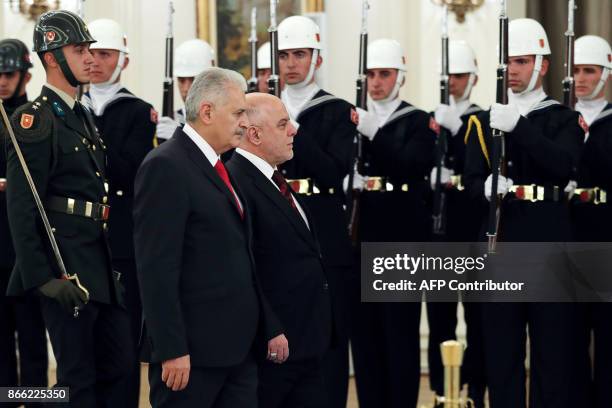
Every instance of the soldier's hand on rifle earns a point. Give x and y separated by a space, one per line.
448 118
2 184
358 182
504 117
368 123
503 185
166 127
65 293
445 176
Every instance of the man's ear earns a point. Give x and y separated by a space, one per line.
126 62
206 112
253 136
319 61
26 78
475 80
50 60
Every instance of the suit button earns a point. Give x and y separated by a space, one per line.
105 226
104 200
76 149
119 193
326 286
98 173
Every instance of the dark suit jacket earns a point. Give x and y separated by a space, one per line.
288 261
194 262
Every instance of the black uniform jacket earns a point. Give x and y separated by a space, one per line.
127 125
543 150
402 153
66 159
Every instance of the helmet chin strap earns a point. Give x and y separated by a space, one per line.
311 70
116 72
468 88
395 91
534 75
602 82
58 53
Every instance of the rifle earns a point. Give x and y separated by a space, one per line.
569 95
498 142
41 209
168 95
253 83
439 200
362 93
274 80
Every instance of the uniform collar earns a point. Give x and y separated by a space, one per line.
101 94
590 109
68 100
383 110
295 98
525 102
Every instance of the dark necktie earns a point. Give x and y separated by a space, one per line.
283 186
222 172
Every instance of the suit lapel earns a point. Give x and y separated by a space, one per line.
65 112
200 160
266 187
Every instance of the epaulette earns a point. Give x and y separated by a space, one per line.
32 122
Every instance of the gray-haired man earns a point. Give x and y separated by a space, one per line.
201 302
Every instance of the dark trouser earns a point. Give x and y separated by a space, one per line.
92 357
127 268
294 384
442 321
552 347
22 316
473 369
386 354
208 387
335 363
594 374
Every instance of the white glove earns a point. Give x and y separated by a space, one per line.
358 182
571 188
503 185
166 127
368 123
448 118
445 176
504 117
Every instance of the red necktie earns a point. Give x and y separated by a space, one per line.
283 186
222 172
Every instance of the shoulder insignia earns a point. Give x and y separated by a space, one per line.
57 109
433 125
582 123
154 116
32 125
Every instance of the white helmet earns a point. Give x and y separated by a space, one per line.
594 50
461 58
298 32
192 57
108 35
527 37
264 56
386 53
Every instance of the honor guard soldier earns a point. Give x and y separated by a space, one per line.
542 143
127 124
65 158
191 58
17 315
398 145
592 213
322 155
263 66
462 224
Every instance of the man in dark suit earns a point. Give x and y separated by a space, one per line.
192 236
288 258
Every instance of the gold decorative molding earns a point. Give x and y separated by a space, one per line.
313 6
460 7
203 20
